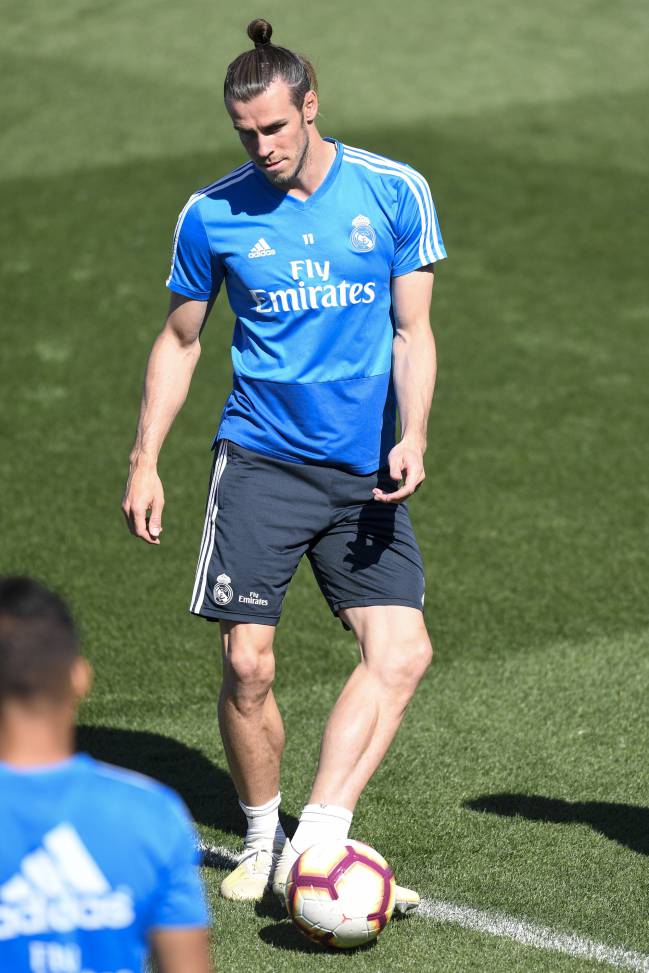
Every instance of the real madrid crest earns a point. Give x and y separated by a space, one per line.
363 235
222 591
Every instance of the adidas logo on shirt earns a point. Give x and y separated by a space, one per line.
60 888
261 249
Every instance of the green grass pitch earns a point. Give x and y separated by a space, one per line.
518 783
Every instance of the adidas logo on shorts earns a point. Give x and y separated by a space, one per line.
262 249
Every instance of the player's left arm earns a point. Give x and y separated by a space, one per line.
414 366
178 920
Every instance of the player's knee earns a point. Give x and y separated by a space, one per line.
252 668
249 670
416 659
405 664
423 656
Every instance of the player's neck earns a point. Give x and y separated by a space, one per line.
35 737
320 160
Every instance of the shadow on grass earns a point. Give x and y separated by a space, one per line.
270 907
285 935
206 789
628 824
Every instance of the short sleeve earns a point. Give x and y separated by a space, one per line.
418 239
179 899
195 271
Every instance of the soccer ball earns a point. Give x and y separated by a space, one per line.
340 893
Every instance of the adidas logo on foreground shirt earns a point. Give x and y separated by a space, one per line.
60 888
262 249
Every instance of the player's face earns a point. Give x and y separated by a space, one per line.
274 132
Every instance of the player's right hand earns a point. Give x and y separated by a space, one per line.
142 504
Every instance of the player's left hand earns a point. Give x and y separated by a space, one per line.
406 463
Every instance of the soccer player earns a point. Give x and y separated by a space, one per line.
327 255
97 864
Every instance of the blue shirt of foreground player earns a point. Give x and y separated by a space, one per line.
309 283
92 858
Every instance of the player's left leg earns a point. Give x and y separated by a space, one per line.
370 570
395 654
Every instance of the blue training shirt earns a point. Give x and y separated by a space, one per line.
91 859
309 283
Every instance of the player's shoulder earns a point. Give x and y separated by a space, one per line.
380 168
132 788
234 182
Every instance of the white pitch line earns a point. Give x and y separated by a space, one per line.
216 856
491 924
541 937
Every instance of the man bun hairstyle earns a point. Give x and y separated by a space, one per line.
260 32
254 71
38 642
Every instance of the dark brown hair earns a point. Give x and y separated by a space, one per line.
254 71
38 641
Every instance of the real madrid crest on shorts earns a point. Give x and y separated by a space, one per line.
363 236
222 591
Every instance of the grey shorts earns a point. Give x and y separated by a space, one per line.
264 513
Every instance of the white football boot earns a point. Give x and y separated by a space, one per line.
253 875
406 900
284 865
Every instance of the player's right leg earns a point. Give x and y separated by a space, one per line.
261 515
253 738
249 720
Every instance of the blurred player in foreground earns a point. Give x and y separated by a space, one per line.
97 865
327 254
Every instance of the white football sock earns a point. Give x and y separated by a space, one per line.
321 822
264 829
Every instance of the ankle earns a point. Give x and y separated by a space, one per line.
321 822
264 829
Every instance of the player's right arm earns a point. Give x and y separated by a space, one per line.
171 364
180 950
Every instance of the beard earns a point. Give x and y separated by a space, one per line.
285 180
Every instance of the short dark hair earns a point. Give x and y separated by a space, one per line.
254 71
38 641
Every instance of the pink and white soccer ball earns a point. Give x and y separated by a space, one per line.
340 893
